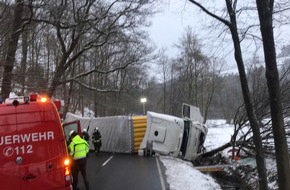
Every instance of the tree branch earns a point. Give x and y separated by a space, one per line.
227 23
95 89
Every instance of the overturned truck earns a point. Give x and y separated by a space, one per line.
153 133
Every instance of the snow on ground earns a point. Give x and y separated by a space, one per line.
218 134
181 174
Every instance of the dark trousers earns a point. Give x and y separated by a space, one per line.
79 165
97 147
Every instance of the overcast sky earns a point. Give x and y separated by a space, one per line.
170 24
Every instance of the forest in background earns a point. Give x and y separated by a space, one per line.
97 55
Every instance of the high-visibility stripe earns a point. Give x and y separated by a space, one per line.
139 129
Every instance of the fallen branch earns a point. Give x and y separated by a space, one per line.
217 150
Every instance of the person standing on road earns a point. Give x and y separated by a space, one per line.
86 135
97 140
78 150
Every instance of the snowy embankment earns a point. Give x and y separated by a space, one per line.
219 133
181 175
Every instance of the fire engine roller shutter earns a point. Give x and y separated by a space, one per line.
139 129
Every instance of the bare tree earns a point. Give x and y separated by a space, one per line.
230 98
232 25
164 63
265 10
196 73
85 26
11 49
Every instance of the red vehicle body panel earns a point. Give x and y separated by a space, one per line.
32 147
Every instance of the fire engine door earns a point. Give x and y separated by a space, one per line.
74 125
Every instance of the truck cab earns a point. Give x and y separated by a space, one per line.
174 136
33 149
163 134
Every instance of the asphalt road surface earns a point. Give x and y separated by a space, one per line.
108 171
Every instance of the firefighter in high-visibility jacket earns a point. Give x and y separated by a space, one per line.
78 150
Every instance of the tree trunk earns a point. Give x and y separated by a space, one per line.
12 47
69 96
261 167
260 160
265 10
24 61
55 81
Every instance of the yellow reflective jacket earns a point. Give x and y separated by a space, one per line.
78 148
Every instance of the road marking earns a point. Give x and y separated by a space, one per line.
160 175
107 161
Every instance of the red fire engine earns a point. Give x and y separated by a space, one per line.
33 149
